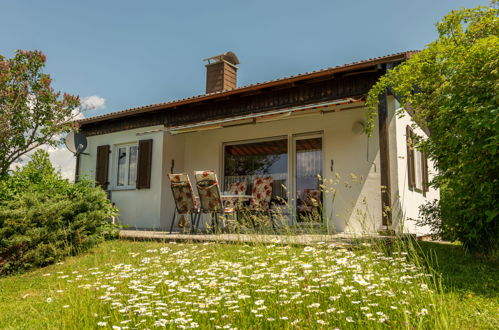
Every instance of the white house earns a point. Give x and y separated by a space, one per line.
291 129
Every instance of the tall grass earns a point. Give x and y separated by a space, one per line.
244 286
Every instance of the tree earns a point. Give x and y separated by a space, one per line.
31 112
452 89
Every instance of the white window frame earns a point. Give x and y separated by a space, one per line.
115 167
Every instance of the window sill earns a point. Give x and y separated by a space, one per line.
419 191
123 188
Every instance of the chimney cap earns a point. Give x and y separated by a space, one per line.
229 57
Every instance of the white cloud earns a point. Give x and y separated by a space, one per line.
93 102
62 159
77 114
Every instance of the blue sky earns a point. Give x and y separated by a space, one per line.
133 53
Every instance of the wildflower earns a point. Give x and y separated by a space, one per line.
423 312
314 305
259 302
349 319
308 249
359 279
101 324
49 300
65 306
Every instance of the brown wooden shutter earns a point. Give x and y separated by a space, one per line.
102 166
424 168
144 164
410 158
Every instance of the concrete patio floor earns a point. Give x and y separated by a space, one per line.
298 239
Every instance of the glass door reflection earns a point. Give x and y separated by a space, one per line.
308 171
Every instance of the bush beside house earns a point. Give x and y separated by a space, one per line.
44 217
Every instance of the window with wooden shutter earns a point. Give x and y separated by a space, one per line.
424 167
102 166
144 164
417 165
125 175
411 177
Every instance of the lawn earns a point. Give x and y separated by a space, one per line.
125 284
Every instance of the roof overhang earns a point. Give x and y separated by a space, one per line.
281 114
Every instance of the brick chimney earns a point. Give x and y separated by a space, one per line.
221 72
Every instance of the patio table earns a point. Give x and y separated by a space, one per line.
236 196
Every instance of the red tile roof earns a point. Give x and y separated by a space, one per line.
280 81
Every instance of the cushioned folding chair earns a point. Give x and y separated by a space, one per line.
311 202
209 196
262 195
236 188
185 201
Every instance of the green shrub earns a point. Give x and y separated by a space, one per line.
44 217
451 87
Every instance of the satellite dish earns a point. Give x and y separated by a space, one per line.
76 142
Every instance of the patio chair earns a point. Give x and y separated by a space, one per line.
236 188
209 196
262 195
311 202
185 201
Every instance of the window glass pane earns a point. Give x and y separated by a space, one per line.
418 169
245 162
121 166
308 164
132 165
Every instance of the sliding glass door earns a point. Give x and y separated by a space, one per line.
245 162
301 155
308 171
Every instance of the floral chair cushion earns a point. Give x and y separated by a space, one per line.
236 188
182 193
209 192
262 193
311 200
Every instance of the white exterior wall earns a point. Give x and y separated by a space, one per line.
357 206
139 208
406 202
